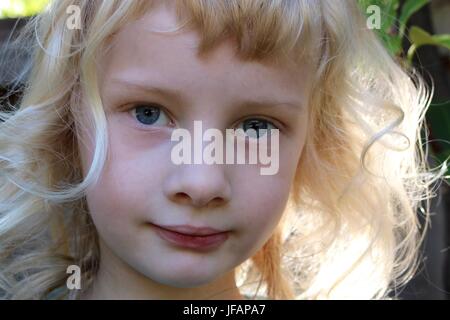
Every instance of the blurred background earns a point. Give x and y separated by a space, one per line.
416 32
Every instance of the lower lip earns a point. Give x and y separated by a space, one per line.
192 242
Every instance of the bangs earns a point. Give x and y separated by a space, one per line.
262 29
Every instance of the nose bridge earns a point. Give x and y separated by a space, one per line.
205 115
198 185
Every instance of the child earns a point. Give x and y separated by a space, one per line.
88 184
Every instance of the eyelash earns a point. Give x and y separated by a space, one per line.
133 107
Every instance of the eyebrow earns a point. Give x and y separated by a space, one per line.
175 95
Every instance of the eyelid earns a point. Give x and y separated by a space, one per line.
276 123
130 106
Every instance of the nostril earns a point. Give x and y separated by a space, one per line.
202 186
181 196
184 198
217 201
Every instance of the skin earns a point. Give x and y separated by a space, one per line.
140 184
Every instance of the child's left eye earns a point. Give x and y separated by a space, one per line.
150 115
260 127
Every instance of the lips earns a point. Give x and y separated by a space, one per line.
191 237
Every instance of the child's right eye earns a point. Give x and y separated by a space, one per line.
150 115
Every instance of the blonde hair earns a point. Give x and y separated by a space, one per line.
351 227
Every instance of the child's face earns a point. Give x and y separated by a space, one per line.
140 184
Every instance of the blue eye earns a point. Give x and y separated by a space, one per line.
260 127
150 115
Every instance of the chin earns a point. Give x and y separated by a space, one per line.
186 279
188 283
182 278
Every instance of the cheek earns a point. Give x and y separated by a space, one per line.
264 197
132 174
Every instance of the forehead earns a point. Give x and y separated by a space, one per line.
139 51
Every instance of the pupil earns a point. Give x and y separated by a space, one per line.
255 125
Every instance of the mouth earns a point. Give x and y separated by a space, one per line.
200 238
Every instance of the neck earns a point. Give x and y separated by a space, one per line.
117 280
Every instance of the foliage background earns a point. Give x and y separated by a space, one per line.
395 32
21 8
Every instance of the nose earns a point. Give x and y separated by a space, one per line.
198 185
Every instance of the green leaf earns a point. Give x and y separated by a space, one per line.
420 37
389 15
409 8
393 44
442 40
